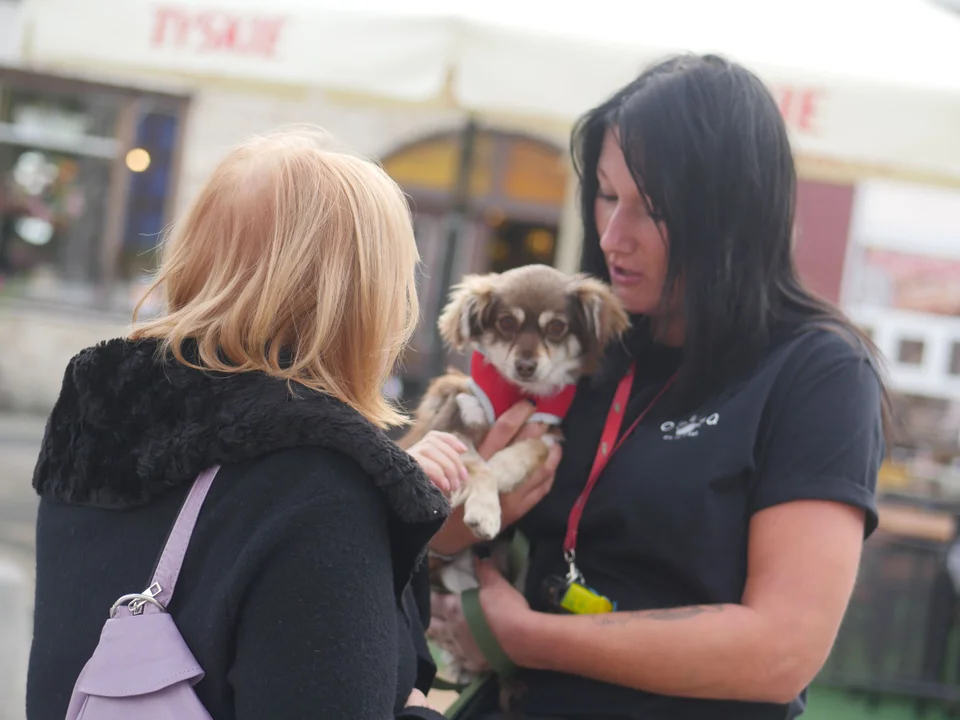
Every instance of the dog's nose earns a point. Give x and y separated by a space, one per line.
526 368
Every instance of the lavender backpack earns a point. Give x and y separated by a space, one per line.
141 667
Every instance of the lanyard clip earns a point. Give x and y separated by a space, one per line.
573 572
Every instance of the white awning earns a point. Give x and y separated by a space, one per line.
865 81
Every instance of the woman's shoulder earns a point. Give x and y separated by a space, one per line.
131 424
273 495
813 366
813 348
821 368
331 492
302 476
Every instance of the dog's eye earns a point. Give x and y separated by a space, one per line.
507 324
555 328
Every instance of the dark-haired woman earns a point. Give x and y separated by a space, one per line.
718 478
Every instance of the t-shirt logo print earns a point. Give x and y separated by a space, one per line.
687 428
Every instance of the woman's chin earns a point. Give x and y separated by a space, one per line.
634 302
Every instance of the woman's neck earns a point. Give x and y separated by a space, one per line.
667 329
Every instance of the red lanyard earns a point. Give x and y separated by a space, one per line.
609 444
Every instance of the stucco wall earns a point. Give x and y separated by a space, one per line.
221 117
35 346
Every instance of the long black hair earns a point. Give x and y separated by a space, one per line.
708 147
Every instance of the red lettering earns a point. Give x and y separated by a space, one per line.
228 36
266 34
808 110
799 107
212 31
219 31
162 20
786 101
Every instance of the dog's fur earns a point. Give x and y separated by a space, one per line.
532 316
559 323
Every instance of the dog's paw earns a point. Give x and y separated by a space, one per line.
457 498
483 525
471 411
483 519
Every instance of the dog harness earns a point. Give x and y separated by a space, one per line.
497 394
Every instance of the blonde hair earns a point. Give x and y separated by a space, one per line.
296 261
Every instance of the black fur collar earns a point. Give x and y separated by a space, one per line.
127 427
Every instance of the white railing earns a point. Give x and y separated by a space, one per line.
922 351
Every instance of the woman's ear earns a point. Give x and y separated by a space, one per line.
467 313
605 318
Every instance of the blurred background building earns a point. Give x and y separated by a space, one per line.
113 112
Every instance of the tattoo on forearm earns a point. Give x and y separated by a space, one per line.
678 613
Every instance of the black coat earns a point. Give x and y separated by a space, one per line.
295 595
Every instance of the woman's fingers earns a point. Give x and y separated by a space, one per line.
505 429
449 440
439 455
449 448
453 468
531 430
518 503
435 474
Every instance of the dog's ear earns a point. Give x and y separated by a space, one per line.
603 315
468 311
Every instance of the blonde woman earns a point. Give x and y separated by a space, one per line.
289 289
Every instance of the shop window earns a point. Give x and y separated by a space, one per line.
910 352
151 179
51 210
60 169
55 155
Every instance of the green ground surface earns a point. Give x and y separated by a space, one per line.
832 704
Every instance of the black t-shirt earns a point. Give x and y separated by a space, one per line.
667 523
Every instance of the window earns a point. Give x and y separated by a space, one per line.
79 222
910 352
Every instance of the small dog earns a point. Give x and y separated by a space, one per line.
534 332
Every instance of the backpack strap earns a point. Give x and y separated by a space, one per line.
171 559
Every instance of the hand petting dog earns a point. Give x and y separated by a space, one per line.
439 455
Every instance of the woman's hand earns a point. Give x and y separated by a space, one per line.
506 610
417 699
507 613
438 453
455 536
508 429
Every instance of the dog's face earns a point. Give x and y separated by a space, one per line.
541 328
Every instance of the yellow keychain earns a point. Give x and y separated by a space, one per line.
581 600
